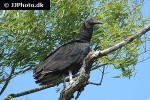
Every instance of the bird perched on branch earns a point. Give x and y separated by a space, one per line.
68 58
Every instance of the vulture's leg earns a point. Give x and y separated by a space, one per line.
64 83
70 77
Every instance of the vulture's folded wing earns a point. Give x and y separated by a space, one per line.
62 58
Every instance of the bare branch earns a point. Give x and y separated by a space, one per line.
34 90
28 92
79 93
102 77
7 81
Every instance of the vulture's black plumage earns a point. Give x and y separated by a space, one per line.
68 57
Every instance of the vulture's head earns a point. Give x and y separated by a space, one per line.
87 29
90 22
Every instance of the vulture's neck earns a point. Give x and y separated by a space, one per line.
85 33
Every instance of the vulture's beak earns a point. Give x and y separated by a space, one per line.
97 22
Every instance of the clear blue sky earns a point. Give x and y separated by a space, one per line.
137 88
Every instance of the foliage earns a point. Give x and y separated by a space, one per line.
26 37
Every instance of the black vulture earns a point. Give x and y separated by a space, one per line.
68 58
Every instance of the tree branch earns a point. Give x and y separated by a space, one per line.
103 72
82 80
33 90
123 43
7 81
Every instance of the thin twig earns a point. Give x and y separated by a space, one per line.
96 67
103 72
79 93
7 81
144 52
144 60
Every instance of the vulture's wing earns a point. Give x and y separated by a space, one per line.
66 55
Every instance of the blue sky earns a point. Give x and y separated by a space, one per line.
137 88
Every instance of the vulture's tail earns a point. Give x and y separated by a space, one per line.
47 78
